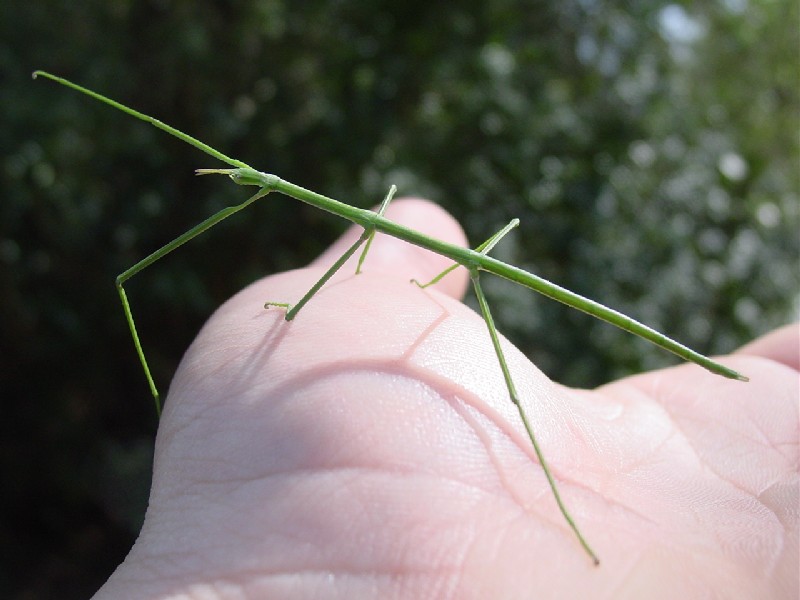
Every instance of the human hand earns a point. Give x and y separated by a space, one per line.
368 449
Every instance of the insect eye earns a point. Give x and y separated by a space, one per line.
240 177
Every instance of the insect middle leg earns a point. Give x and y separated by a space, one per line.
367 236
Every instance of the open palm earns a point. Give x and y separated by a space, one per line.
368 449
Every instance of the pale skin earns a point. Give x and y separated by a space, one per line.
368 449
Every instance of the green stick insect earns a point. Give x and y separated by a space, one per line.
475 261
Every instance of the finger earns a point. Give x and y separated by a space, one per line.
390 255
781 345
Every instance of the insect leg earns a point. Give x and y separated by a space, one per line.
367 236
160 253
483 249
512 392
381 210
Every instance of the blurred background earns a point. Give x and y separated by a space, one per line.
650 149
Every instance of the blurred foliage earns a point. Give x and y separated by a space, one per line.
650 149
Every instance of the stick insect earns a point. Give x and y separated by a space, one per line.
475 261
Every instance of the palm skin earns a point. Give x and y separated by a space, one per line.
368 449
